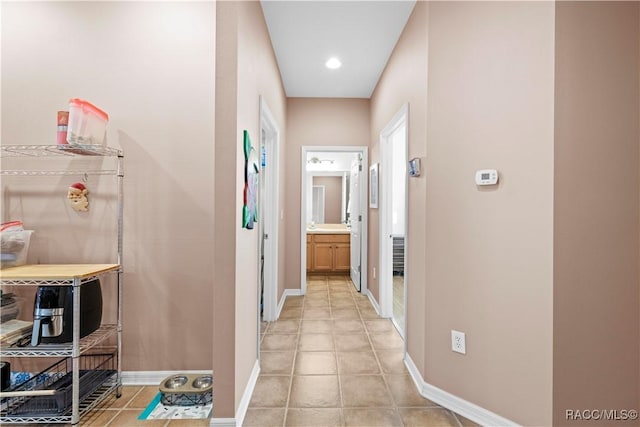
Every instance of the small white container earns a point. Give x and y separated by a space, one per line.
87 123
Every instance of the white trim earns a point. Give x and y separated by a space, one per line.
285 294
223 422
384 180
152 377
268 123
454 403
374 303
248 392
364 150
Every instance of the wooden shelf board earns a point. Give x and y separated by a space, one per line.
55 271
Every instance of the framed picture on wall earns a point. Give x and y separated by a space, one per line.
373 186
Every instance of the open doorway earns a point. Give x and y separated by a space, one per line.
393 218
268 218
336 245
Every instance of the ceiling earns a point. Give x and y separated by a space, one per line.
361 34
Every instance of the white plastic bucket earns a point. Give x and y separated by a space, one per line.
87 123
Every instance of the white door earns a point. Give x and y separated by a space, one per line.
268 215
355 218
393 219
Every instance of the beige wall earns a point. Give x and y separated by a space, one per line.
150 66
597 191
332 197
246 70
405 80
480 261
315 121
489 251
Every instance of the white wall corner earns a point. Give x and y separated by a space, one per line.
454 403
285 294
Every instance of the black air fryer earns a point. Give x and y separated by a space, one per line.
53 312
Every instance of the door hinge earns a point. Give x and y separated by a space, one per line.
359 218
266 237
358 269
359 168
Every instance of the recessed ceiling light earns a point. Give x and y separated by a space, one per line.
333 63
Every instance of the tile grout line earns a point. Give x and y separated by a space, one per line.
123 406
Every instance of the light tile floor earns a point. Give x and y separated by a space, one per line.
329 361
332 361
124 412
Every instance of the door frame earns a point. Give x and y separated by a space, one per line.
386 245
270 205
364 151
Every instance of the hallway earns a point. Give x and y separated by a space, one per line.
330 360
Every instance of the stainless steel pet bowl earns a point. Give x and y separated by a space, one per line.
203 382
175 381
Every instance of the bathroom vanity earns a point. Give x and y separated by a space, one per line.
328 249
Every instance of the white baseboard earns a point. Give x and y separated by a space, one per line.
244 402
374 303
223 422
152 377
285 294
248 392
454 403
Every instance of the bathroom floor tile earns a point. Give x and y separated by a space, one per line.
386 341
348 326
286 326
344 313
315 363
316 326
361 362
352 342
129 418
128 393
294 301
318 303
316 417
263 417
142 399
316 313
276 362
372 417
98 418
270 391
436 417
405 393
291 313
368 313
278 342
392 361
330 360
316 342
315 391
364 391
379 325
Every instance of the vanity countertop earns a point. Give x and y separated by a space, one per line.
329 229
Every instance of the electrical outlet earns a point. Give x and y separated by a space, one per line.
458 342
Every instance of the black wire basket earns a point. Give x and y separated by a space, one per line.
95 371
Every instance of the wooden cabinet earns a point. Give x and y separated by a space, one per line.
328 253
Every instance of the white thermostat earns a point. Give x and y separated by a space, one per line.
487 177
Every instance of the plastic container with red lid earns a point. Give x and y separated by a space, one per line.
87 123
